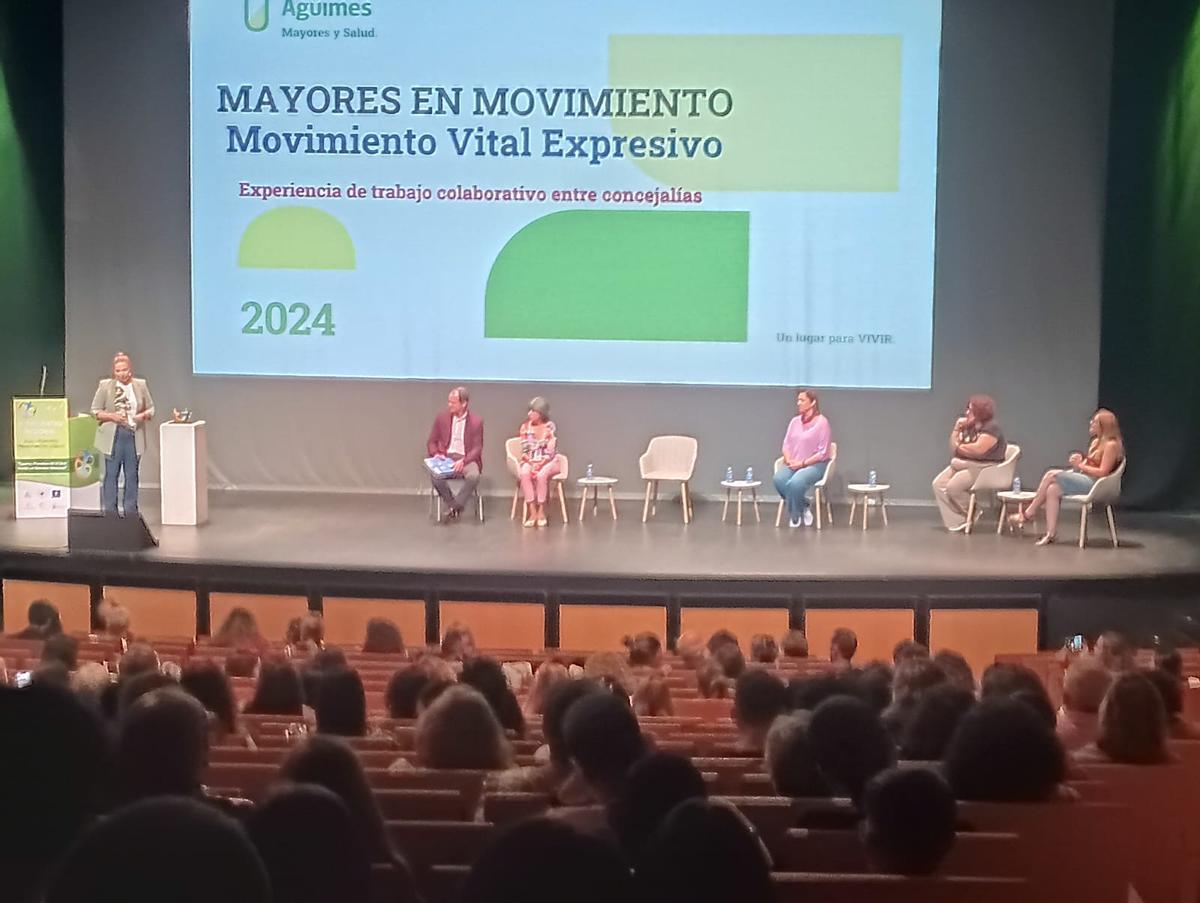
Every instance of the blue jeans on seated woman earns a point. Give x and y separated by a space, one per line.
1074 482
794 486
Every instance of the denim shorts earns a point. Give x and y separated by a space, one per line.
1074 483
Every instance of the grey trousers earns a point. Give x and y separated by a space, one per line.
469 480
952 490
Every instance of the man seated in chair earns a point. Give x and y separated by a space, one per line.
457 434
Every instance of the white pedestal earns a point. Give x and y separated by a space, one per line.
183 469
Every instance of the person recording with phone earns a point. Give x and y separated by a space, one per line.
975 442
122 406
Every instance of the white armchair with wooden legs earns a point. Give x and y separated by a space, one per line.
1105 491
820 493
512 456
993 478
668 459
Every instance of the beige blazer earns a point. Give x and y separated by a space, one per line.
105 399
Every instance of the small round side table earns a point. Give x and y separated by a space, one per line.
594 484
741 487
1008 497
868 494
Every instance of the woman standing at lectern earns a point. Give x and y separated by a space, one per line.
805 457
539 460
1106 450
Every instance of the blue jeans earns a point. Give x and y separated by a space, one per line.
124 457
794 485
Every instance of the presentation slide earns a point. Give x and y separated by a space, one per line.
683 191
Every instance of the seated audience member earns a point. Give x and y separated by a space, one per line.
1133 725
1116 652
603 740
909 821
315 669
722 638
1105 452
933 721
341 704
759 698
543 860
208 683
873 684
383 638
1170 688
1003 752
298 826
162 746
611 667
712 682
61 648
1078 720
458 643
239 630
329 762
652 699
44 621
55 766
1018 682
278 691
137 659
807 692
545 678
460 730
976 441
431 691
403 689
793 644
115 619
129 690
789 758
184 851
654 786
486 676
704 852
241 663
51 672
730 660
89 682
850 745
914 676
763 649
906 649
1169 660
842 647
691 649
956 668
645 650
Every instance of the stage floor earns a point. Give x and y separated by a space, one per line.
394 536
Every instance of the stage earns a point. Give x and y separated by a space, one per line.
322 544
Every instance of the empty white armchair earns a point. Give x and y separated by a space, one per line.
820 493
1105 491
671 459
512 458
993 478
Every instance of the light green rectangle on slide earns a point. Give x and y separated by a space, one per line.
644 275
809 112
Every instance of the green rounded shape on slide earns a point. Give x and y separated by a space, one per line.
296 238
649 276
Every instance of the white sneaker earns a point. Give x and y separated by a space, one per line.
793 523
808 518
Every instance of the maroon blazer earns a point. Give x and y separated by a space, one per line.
439 437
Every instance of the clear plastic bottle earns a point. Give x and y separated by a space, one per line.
872 478
728 474
749 474
1016 484
590 472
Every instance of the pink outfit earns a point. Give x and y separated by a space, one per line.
539 481
804 440
536 452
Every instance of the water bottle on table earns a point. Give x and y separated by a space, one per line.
749 474
728 474
872 478
590 472
1016 484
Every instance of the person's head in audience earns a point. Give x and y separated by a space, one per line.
90 681
1084 686
729 658
162 745
1170 689
1168 658
691 649
434 688
603 739
168 848
1115 651
759 698
138 659
291 633
458 643
542 860
704 852
279 690
956 668
547 675
559 700
874 684
794 644
645 649
487 676
209 684
312 631
403 689
928 730
114 618
322 662
906 649
806 692
789 758
1133 722
842 646
658 783
130 689
55 766
1003 752
51 672
341 704
1007 679
329 658
609 666
298 826
44 621
712 682
914 676
722 638
62 648
910 815
459 729
329 762
652 698
238 630
763 649
850 744
241 663
383 637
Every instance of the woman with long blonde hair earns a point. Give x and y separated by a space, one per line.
1106 450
